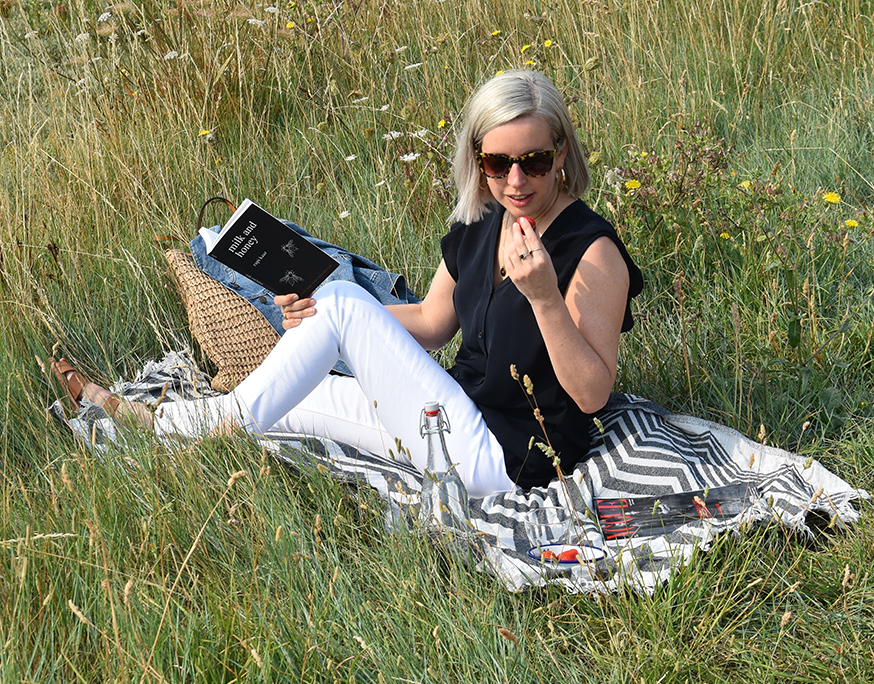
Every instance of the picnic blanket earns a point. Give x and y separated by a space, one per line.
639 449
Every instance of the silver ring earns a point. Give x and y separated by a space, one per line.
536 249
522 256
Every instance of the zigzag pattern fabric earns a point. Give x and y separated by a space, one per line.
640 450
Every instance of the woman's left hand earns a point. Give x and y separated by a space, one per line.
294 309
529 265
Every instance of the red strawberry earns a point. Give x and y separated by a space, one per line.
570 555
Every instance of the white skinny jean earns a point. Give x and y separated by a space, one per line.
291 391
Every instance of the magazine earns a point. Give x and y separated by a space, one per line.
645 516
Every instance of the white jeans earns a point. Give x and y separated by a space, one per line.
376 410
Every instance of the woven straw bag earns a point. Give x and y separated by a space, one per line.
232 333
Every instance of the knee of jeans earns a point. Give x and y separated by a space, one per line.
341 289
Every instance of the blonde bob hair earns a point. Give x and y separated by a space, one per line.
501 99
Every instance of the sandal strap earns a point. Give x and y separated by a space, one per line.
74 383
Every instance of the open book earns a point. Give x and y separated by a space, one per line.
261 247
645 516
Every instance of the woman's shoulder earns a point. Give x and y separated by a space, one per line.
579 218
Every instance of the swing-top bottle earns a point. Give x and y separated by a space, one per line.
444 497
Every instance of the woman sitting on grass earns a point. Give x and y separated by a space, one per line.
530 274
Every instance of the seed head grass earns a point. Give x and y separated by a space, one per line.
730 144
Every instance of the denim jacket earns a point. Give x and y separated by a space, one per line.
388 288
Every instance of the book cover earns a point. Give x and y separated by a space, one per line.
261 247
645 516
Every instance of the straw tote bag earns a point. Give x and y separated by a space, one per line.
233 334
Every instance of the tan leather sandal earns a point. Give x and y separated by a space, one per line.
75 386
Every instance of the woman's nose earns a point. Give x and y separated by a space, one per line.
517 176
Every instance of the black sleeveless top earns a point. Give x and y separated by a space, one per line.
498 329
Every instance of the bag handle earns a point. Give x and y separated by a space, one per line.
206 204
173 238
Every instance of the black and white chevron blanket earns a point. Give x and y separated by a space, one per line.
639 450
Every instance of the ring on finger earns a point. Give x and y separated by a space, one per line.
522 255
536 249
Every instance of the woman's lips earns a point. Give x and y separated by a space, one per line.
519 200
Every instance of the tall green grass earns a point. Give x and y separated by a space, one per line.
735 118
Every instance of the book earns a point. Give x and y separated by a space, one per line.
645 516
261 247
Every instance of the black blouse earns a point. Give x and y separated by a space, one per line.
498 329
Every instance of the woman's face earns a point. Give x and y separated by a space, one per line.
519 194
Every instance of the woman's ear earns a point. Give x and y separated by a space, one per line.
561 153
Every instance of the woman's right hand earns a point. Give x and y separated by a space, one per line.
294 309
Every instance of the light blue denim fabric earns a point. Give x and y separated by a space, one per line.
388 288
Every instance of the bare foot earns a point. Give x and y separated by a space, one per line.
226 428
130 413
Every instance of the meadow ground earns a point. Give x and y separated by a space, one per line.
731 143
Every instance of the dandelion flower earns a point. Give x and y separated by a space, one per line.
203 132
526 47
352 157
496 32
441 123
529 62
832 198
851 223
345 214
289 25
548 43
499 72
632 184
412 156
725 236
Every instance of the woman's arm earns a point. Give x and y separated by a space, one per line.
581 330
433 322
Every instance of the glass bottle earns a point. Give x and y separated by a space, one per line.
443 500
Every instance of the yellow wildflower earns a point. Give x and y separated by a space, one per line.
633 184
746 185
203 132
725 236
526 47
548 43
441 123
832 198
289 25
496 32
851 223
499 72
529 62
